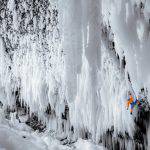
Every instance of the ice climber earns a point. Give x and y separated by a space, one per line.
132 102
140 101
129 101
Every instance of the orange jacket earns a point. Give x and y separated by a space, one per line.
130 100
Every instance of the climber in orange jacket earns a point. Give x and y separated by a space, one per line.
130 100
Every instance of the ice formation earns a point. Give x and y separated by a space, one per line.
76 60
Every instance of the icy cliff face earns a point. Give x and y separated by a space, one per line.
107 42
30 56
76 60
130 24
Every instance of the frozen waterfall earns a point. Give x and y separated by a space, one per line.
67 65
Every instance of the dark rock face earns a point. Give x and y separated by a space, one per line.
32 16
142 124
34 19
35 123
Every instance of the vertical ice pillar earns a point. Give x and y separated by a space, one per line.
81 20
91 21
71 42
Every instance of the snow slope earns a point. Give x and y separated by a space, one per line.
14 139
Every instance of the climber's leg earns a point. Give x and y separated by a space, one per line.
132 106
128 103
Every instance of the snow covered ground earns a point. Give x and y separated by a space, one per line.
18 136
